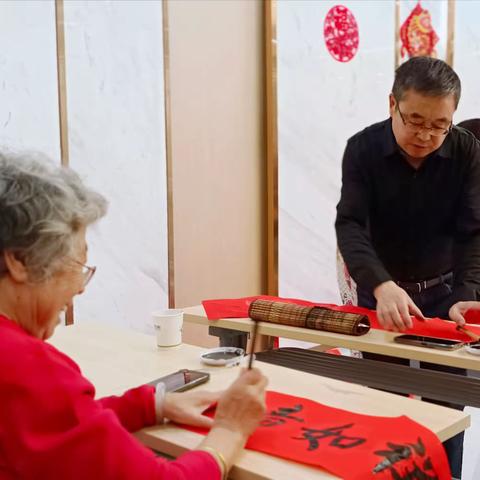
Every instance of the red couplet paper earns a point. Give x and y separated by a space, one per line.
349 445
238 308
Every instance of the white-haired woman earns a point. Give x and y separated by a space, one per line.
50 424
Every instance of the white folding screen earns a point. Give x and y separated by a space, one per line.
115 92
321 103
28 77
116 133
467 57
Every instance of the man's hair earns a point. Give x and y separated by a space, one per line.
426 75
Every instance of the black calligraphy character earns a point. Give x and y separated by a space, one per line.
398 453
340 441
415 474
277 417
285 412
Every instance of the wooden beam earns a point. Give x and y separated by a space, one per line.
62 102
396 34
450 33
168 149
272 145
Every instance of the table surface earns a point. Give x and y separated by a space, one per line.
115 360
375 341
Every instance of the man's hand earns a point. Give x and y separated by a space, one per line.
394 307
457 311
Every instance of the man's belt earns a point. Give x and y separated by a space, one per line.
417 287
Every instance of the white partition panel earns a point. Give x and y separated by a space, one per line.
117 142
467 57
321 103
28 77
467 65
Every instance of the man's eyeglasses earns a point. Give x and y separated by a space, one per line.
87 272
415 127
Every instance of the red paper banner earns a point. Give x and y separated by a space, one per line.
349 445
238 308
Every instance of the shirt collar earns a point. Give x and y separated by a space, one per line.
446 150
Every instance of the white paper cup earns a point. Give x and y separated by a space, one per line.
168 327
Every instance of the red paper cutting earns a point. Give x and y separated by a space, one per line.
238 308
417 34
349 445
340 31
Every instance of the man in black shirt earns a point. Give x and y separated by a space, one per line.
408 220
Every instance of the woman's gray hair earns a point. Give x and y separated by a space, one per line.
42 206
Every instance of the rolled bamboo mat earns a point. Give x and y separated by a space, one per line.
312 317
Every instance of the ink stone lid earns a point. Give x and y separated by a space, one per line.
223 356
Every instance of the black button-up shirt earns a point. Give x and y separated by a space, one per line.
398 223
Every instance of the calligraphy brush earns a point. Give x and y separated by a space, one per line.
468 332
252 346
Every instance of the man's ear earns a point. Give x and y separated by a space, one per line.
15 267
392 104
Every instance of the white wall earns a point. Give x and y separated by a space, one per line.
467 65
117 142
321 103
467 57
28 77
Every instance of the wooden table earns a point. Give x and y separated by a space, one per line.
115 360
375 341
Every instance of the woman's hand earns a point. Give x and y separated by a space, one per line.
457 311
239 411
187 407
241 408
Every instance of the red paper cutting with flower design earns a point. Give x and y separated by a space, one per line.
340 31
417 34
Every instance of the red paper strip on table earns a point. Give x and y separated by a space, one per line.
350 445
238 308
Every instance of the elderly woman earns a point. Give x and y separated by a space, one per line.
51 426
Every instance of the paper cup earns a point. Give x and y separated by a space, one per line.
168 327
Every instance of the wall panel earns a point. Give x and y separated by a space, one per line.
114 63
28 77
321 103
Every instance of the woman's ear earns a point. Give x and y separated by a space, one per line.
15 267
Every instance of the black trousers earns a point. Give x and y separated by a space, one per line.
427 301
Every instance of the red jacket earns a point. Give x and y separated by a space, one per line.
51 427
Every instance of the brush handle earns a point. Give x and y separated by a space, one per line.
252 346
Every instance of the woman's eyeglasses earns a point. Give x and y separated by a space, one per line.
87 272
